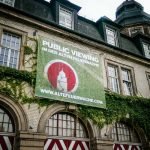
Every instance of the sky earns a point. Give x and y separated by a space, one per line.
94 9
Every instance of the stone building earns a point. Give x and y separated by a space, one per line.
29 121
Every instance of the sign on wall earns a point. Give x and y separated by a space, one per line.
68 74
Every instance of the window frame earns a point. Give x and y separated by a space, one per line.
12 122
115 33
12 5
148 78
10 49
77 121
23 36
127 81
116 77
136 29
121 136
148 50
64 9
121 67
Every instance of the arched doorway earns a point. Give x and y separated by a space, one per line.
125 137
66 132
7 130
12 120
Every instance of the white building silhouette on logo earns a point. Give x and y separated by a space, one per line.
62 81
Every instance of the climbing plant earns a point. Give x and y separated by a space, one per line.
118 107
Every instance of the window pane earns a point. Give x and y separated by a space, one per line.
6 118
10 128
60 131
1 117
54 131
126 80
9 53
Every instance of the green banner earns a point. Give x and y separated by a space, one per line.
69 74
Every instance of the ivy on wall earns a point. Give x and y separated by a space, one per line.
27 50
118 107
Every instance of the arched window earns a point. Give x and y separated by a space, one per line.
123 133
64 124
6 122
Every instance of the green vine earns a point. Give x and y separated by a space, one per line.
8 74
118 106
27 50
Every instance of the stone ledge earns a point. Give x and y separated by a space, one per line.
30 141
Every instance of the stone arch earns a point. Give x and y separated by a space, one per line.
16 112
58 108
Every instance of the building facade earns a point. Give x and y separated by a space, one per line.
29 121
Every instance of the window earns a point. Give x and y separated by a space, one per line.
113 83
123 133
126 82
6 124
66 18
8 2
146 48
148 78
111 36
62 124
134 30
9 52
119 79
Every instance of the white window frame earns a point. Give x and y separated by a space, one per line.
7 50
113 79
11 2
126 85
146 48
66 14
126 81
111 36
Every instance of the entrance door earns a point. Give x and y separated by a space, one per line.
57 144
6 142
6 130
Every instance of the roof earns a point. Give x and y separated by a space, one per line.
131 12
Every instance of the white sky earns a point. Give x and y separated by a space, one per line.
94 9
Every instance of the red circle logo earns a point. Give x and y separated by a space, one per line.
61 75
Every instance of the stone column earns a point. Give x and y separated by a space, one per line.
30 141
101 144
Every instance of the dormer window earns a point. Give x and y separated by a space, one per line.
66 18
111 36
146 48
8 2
135 30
